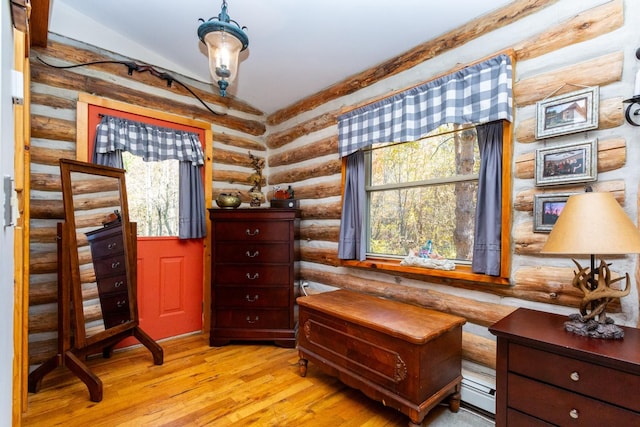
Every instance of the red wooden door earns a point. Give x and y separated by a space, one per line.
170 270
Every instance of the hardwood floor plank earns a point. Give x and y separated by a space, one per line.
239 384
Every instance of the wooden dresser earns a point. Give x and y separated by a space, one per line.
253 275
547 376
107 252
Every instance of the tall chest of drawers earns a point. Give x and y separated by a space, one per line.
547 376
107 252
253 275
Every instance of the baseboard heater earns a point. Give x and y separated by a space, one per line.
478 393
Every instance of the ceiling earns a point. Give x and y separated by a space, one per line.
296 47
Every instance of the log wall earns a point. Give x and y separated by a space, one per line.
54 96
559 46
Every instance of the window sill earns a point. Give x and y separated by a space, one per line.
461 272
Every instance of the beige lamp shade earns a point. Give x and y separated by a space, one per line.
593 223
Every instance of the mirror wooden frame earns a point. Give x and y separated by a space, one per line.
74 340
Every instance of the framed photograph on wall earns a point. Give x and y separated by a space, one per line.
571 163
546 210
569 113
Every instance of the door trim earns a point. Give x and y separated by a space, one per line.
84 100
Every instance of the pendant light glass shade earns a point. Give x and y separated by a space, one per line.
225 39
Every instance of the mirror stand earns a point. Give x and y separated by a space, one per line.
97 295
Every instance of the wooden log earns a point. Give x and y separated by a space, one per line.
525 241
46 182
282 138
106 88
600 71
612 155
457 37
320 191
310 151
50 156
478 312
228 157
78 55
524 200
553 286
479 349
289 175
52 128
43 263
312 232
232 177
43 235
46 209
238 141
319 210
53 101
40 350
320 256
611 115
43 293
585 26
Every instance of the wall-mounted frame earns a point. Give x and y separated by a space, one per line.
547 209
571 163
569 113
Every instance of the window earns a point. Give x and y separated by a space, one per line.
152 192
421 195
396 199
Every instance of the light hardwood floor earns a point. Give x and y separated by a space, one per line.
239 384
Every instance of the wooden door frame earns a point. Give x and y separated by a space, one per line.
84 100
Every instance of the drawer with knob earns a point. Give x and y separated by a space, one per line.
252 231
253 275
562 407
546 375
252 297
590 379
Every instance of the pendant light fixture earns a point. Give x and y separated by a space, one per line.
225 39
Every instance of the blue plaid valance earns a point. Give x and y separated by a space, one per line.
152 143
480 93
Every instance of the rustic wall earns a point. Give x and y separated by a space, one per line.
54 95
559 46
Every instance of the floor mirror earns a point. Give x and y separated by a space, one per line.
97 301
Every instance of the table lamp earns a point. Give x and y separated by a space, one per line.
594 224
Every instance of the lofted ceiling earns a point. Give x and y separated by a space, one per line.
296 47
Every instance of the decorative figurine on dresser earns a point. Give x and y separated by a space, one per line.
253 275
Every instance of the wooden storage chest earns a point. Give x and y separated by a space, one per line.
405 356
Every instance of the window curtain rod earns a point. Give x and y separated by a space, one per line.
132 66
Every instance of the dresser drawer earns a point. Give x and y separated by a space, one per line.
252 319
115 319
109 266
578 376
254 231
516 418
252 274
245 252
561 407
115 302
112 284
251 297
107 246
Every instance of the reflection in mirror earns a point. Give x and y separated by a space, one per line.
101 252
96 273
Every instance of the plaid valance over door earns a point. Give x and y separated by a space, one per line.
480 93
153 143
